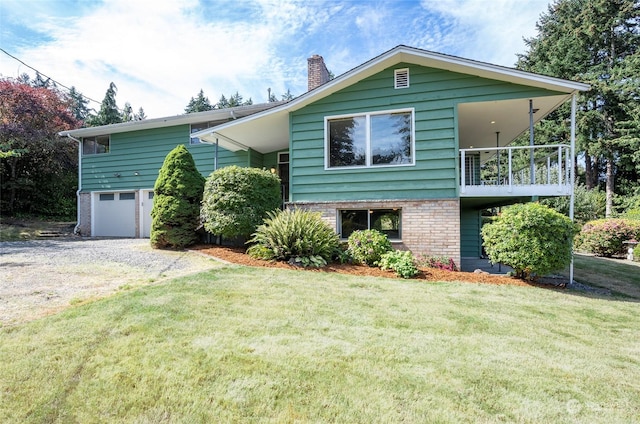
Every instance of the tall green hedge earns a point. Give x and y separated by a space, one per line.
176 205
236 200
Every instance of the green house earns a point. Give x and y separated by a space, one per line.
412 143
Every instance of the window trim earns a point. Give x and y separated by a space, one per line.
209 124
95 140
368 156
369 211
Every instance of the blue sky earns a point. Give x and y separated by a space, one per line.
160 53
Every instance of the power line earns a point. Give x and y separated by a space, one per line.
46 76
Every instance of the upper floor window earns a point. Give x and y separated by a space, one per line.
199 127
95 145
370 139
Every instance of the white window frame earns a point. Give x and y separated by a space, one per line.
368 155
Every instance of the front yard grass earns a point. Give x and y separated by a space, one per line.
620 276
241 344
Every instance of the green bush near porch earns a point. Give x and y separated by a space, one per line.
236 200
531 238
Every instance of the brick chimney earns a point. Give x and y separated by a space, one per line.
318 73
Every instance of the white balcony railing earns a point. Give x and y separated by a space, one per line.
516 171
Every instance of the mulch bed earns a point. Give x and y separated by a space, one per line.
236 255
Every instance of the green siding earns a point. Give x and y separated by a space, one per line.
434 94
470 240
144 152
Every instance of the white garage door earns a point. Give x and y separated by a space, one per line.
115 214
147 205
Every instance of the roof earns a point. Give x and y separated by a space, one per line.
189 118
269 130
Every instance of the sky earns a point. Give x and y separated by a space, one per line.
161 53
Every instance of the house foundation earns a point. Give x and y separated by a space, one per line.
428 227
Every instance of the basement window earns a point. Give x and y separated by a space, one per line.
401 78
387 221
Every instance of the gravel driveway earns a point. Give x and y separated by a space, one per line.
41 277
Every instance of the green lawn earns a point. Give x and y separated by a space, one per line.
240 344
620 276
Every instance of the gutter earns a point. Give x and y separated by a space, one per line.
76 229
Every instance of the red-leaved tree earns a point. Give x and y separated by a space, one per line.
37 167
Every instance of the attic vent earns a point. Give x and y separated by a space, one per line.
401 78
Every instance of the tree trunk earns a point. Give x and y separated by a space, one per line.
588 171
609 188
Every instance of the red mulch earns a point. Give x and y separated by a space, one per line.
236 255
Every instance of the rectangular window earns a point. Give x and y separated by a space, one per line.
386 221
106 197
127 196
199 127
96 145
371 139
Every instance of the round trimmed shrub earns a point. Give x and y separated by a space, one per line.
368 246
531 238
296 235
236 200
176 205
604 237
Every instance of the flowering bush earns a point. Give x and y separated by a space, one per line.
439 262
367 246
402 262
604 237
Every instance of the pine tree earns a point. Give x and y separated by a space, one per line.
597 42
127 112
79 104
176 206
109 112
140 115
199 104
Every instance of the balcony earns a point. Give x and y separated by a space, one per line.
516 171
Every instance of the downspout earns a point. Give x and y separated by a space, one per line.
572 175
76 229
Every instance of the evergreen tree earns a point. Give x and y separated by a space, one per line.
595 41
127 112
109 112
287 96
140 115
176 206
199 104
40 82
79 104
233 101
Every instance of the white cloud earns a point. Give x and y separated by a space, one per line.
160 53
490 31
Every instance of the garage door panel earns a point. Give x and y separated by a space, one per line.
115 215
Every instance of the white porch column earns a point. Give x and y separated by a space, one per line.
573 173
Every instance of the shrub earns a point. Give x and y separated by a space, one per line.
236 200
531 238
438 262
258 251
298 236
636 253
367 246
604 237
176 203
403 263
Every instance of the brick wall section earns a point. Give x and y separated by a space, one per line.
85 214
430 227
318 73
